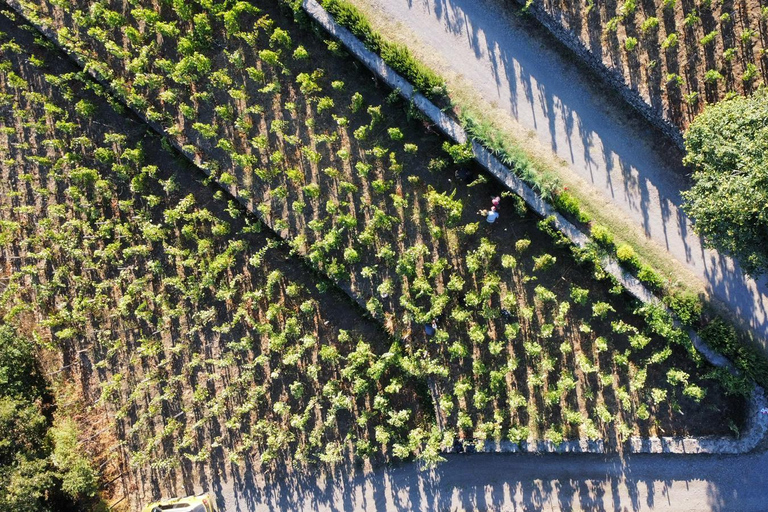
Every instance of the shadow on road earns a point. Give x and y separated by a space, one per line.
515 482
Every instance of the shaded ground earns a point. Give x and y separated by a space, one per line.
612 149
522 482
547 372
320 492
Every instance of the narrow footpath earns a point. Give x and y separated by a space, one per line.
517 482
602 140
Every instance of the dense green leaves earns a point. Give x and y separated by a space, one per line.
728 148
18 372
40 469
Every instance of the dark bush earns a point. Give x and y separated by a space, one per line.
723 338
19 376
686 305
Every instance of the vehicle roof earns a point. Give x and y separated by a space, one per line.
186 504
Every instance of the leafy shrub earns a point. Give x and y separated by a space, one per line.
566 203
712 76
601 309
300 53
542 294
460 153
625 253
747 35
650 278
457 350
639 341
686 305
650 23
602 236
280 38
522 244
627 9
658 395
670 41
695 392
85 108
270 57
750 73
508 261
612 25
709 38
351 255
675 376
579 295
543 262
692 18
518 434
555 435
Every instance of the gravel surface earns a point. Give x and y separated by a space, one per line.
520 482
600 137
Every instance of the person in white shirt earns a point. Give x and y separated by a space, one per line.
492 215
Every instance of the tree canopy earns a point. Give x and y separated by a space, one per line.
727 145
41 464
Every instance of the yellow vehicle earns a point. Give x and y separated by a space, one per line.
199 503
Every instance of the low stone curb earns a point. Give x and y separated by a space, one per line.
754 432
757 423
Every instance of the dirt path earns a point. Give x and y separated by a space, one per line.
601 141
521 482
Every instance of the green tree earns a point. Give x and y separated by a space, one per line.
19 376
26 476
727 146
78 478
41 467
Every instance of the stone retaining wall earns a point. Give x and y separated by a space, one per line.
757 422
754 432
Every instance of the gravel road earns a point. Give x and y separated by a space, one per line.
520 482
600 138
